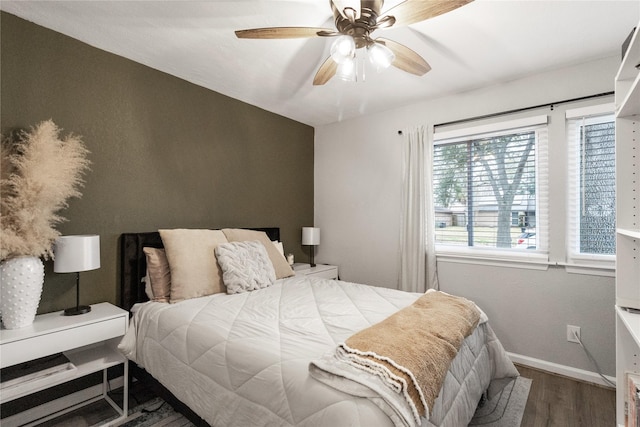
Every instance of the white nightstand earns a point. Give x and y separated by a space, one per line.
89 341
325 271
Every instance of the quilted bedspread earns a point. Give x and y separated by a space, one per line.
243 359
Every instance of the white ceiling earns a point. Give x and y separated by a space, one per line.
486 42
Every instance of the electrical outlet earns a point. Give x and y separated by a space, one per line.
572 332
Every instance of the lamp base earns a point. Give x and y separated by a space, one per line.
312 250
74 311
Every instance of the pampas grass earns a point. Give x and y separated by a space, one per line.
40 172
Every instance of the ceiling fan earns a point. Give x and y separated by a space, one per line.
355 20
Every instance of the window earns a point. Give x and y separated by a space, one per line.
487 190
592 217
491 186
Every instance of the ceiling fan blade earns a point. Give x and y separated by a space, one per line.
412 11
328 33
406 59
283 32
325 72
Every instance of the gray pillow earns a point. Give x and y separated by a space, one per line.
245 266
280 264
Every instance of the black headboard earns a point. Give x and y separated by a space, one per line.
133 264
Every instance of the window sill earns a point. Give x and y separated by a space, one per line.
523 261
527 262
606 269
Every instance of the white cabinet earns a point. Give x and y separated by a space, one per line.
324 271
89 341
627 89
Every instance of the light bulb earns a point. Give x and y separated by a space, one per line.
380 56
343 49
347 70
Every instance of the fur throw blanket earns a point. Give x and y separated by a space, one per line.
409 352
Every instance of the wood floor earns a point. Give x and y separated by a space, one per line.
563 402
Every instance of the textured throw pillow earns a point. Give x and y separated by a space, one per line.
280 264
194 270
158 274
245 266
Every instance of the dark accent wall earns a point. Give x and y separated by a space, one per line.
165 153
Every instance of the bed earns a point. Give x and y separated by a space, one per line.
259 357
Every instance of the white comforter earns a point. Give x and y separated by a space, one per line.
243 359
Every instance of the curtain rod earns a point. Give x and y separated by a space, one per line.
519 110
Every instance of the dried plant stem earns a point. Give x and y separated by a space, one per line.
40 172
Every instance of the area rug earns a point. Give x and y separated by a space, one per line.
505 411
508 409
155 413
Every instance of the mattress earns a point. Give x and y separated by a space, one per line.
243 359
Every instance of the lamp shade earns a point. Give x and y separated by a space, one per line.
76 253
310 236
343 49
380 55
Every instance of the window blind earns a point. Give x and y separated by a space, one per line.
490 188
592 200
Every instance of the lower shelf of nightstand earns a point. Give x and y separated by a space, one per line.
88 407
86 361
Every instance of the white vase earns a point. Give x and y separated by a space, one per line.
21 281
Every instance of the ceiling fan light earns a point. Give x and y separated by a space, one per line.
347 71
380 55
343 49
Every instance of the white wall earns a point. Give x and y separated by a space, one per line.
357 206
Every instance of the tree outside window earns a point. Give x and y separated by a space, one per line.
485 191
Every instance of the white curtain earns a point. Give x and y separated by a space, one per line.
417 245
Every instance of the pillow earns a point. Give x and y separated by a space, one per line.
147 286
245 266
278 246
280 264
158 274
194 269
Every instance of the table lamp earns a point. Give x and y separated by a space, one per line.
74 254
311 238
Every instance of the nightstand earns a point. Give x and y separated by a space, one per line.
325 271
89 341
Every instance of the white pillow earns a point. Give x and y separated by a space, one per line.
245 266
147 286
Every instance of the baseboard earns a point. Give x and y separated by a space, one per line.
60 404
567 371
